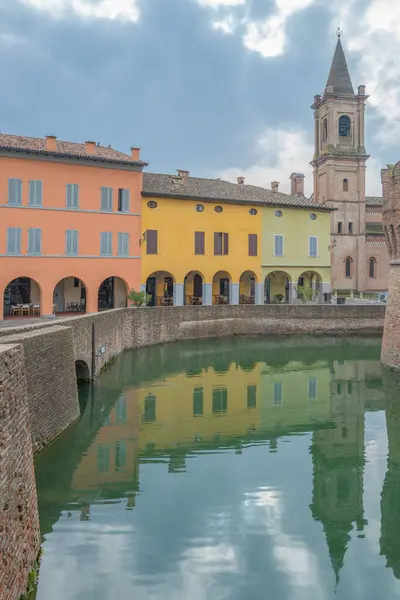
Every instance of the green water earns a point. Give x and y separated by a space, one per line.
237 469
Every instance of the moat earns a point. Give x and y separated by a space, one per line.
227 469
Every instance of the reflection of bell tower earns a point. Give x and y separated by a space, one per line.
338 464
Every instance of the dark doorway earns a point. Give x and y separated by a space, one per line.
106 294
197 286
151 290
18 291
224 288
168 287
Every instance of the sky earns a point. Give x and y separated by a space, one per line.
222 88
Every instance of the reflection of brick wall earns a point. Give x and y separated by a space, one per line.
19 524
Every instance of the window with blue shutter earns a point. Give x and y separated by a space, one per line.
278 392
312 388
15 191
106 243
34 241
278 245
72 195
13 240
123 244
106 194
123 200
35 193
71 241
313 246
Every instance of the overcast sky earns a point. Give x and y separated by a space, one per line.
219 87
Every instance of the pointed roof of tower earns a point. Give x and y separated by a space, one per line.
339 76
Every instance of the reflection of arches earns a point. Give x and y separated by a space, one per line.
160 288
22 298
69 295
220 287
344 126
277 287
193 288
112 293
247 287
372 267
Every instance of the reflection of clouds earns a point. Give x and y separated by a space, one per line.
293 556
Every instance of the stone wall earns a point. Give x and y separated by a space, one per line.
19 523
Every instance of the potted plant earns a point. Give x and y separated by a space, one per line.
138 298
279 298
305 294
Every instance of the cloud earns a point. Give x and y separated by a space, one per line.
219 3
226 25
102 9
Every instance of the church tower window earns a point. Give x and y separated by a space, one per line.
345 185
325 130
372 267
344 126
348 267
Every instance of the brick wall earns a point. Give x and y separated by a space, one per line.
19 524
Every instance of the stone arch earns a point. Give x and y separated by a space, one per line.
221 287
277 287
160 288
70 295
82 370
247 287
22 297
193 287
310 280
112 293
372 267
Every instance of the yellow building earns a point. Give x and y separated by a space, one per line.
208 241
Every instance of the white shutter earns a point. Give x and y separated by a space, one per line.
75 195
75 242
123 244
125 200
14 191
110 198
105 243
278 250
103 198
313 246
11 245
38 241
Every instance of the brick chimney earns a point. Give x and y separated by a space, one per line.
184 175
297 180
135 153
90 147
361 90
240 180
275 186
51 143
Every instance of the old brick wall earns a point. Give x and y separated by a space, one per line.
19 523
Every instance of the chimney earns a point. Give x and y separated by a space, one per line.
90 147
240 180
317 99
297 188
184 175
51 143
275 186
135 153
361 90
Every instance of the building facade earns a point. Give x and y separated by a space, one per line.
70 232
358 251
208 241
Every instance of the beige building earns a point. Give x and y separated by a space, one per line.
358 250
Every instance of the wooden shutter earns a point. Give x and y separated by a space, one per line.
14 191
226 243
252 244
123 244
106 198
217 244
125 197
13 240
278 245
313 246
109 198
151 241
199 242
38 241
68 243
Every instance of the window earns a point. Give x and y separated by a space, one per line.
372 267
313 246
149 408
123 244
253 211
120 454
72 195
34 241
71 241
35 193
151 241
313 216
251 396
344 126
15 191
348 262
349 387
218 209
278 213
278 245
278 392
120 409
339 227
252 244
221 244
199 242
199 207
345 185
103 458
219 400
325 130
339 387
198 402
14 240
123 200
106 243
312 388
106 194
152 204
350 227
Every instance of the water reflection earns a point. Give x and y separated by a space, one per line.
224 469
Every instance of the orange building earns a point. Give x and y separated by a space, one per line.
70 226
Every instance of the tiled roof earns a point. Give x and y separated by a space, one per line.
67 149
156 184
373 200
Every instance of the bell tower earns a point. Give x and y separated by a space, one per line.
339 164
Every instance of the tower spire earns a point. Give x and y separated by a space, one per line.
339 77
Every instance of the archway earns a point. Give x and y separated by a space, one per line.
22 298
277 287
220 288
69 296
309 286
82 370
160 288
113 293
193 288
247 287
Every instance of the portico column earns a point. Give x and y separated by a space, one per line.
207 294
292 292
178 294
234 293
259 293
47 303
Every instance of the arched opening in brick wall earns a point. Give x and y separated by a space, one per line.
113 293
22 298
82 371
69 296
